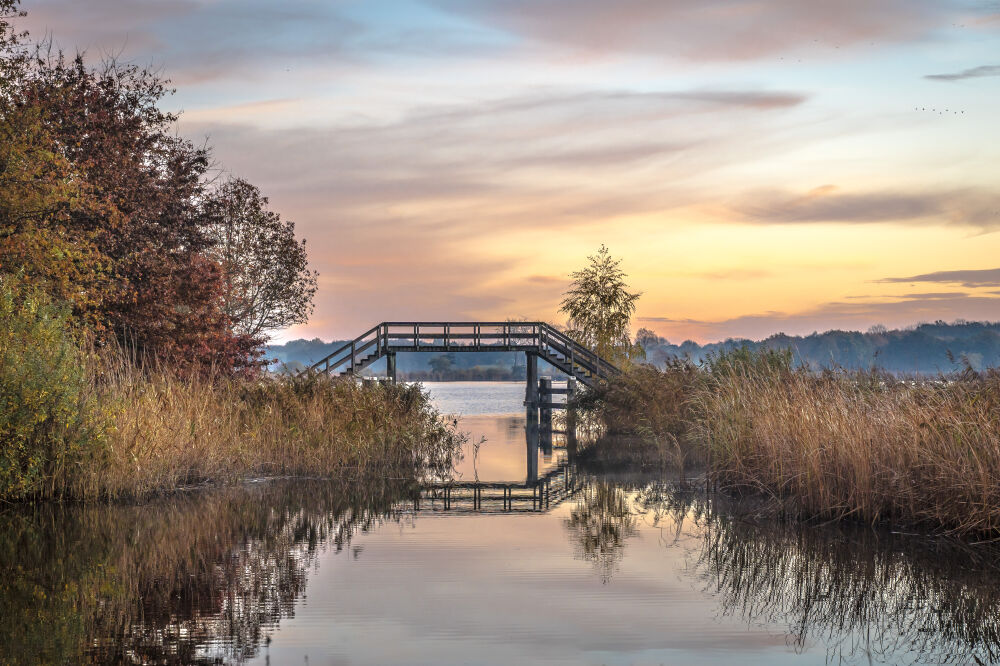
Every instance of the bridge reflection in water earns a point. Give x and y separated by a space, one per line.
538 492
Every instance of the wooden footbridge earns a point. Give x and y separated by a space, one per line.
537 340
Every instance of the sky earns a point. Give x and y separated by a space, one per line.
758 165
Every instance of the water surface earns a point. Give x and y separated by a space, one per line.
625 571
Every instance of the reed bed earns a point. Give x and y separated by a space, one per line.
167 431
860 446
152 430
835 445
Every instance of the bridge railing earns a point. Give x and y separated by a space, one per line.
409 336
540 337
575 352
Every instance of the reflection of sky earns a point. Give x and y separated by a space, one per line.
759 165
492 414
507 589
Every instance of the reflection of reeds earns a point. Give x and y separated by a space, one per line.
865 595
178 581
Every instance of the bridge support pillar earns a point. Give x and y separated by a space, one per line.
531 437
531 388
545 399
390 367
570 418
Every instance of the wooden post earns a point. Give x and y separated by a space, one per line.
390 367
531 438
531 390
545 415
570 419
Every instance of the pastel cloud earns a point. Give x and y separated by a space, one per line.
972 73
707 30
458 158
968 207
989 277
387 204
457 171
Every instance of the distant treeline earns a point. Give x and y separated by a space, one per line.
925 349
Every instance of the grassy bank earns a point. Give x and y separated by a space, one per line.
835 445
79 424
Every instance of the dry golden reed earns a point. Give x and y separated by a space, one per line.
164 431
832 445
859 446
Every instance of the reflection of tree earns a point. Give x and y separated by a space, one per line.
599 525
174 582
867 596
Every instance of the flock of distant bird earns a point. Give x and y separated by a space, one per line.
924 109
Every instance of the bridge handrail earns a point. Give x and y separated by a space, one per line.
355 345
539 334
570 343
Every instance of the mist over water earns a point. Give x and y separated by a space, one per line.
623 571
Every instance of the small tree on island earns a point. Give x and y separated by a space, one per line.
600 309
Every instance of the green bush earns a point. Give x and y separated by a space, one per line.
647 415
49 420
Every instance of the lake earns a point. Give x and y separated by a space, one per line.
624 570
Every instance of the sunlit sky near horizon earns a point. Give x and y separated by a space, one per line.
759 165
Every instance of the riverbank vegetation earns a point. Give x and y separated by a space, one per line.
862 446
138 287
87 423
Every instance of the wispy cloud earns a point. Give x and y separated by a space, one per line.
411 198
967 207
201 41
464 169
989 277
974 73
708 30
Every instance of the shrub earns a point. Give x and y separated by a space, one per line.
647 414
49 421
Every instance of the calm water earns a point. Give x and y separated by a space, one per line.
621 572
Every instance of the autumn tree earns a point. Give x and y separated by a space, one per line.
600 308
140 220
104 207
267 284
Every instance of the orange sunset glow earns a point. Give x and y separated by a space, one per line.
758 166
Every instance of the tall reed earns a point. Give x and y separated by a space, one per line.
833 445
169 431
860 446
